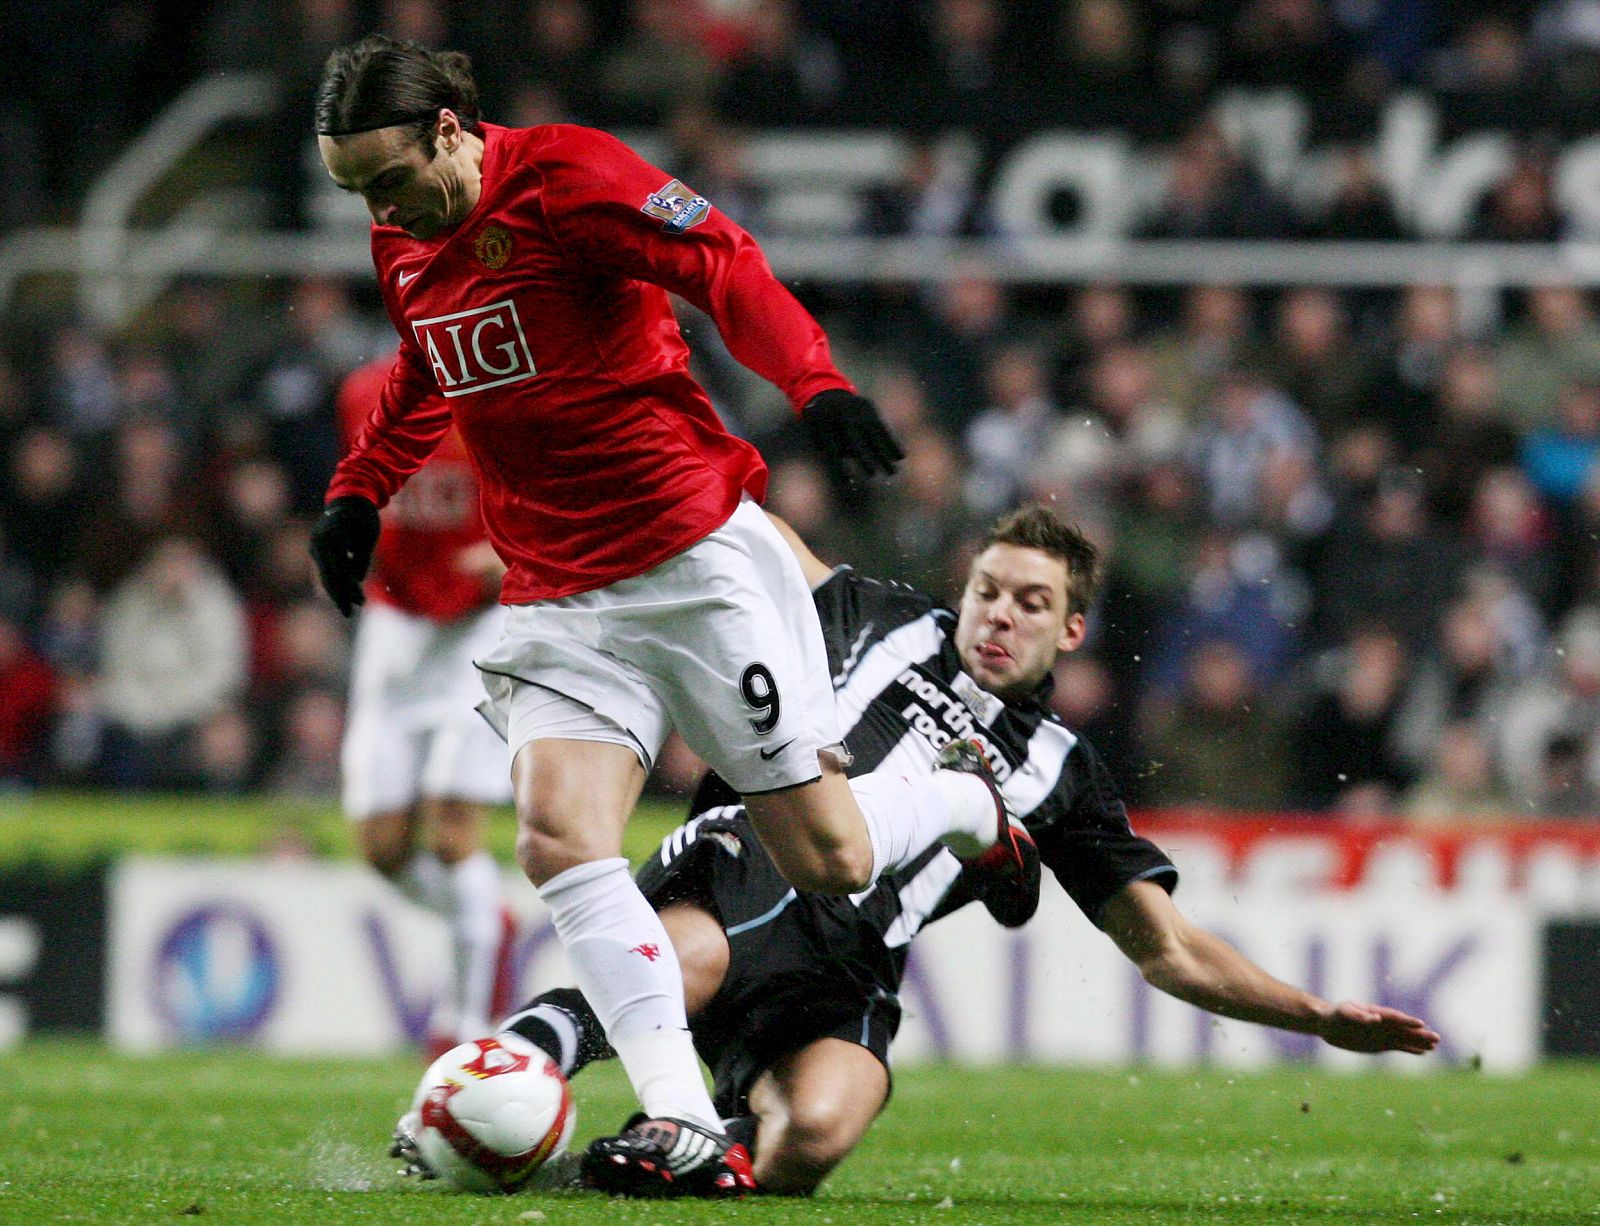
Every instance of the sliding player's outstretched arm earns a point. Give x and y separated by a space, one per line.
1190 963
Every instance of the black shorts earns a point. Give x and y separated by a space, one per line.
801 967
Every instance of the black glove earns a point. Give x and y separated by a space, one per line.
849 436
342 540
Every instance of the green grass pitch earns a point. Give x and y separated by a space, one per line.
236 1137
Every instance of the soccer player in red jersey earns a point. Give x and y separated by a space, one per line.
527 272
418 760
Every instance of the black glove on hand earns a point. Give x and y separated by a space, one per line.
342 540
849 435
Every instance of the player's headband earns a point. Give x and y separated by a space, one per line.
417 117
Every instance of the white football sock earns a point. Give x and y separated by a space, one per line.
426 882
628 971
475 935
906 816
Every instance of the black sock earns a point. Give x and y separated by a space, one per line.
563 1026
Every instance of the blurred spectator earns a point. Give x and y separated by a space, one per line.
962 77
1469 435
69 631
82 388
1405 378
799 493
27 707
223 754
1248 426
1100 75
1005 440
1565 789
551 46
949 339
1555 342
1211 192
174 653
1344 742
1286 43
1099 317
709 155
1465 675
307 765
1521 208
1460 785
1482 75
1238 593
149 491
1392 566
1221 746
1315 361
1510 532
1085 697
921 525
1559 700
1101 447
1214 336
784 76
660 62
294 392
1562 698
1560 459
932 196
41 496
1360 208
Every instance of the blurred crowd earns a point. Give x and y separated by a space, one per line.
1353 546
1352 538
707 70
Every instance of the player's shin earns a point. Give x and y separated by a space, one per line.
906 816
627 969
476 933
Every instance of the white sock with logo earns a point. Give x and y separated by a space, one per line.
475 936
628 971
905 816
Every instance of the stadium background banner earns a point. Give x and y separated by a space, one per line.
52 949
1489 934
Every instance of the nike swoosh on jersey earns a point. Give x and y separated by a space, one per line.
405 278
768 754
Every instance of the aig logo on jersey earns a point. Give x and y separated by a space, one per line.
472 351
678 208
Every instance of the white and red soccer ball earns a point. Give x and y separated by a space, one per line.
491 1112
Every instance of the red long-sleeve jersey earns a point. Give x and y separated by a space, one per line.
428 524
541 326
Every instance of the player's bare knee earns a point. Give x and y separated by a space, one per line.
842 868
386 843
542 854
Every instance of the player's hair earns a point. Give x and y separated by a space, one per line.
382 82
1037 526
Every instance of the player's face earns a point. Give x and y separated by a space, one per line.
1014 620
401 185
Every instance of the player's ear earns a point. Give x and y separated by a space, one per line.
1073 633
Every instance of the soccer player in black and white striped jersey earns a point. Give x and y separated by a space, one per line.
791 996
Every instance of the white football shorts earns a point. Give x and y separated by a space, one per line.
413 729
721 642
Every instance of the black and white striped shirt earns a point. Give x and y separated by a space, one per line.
903 695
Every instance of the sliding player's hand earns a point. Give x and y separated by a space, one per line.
1373 1028
342 541
849 436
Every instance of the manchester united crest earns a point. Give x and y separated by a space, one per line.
492 246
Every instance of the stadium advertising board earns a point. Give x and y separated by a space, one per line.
52 950
314 957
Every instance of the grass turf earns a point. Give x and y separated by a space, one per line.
232 1136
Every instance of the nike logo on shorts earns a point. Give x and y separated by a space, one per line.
768 754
